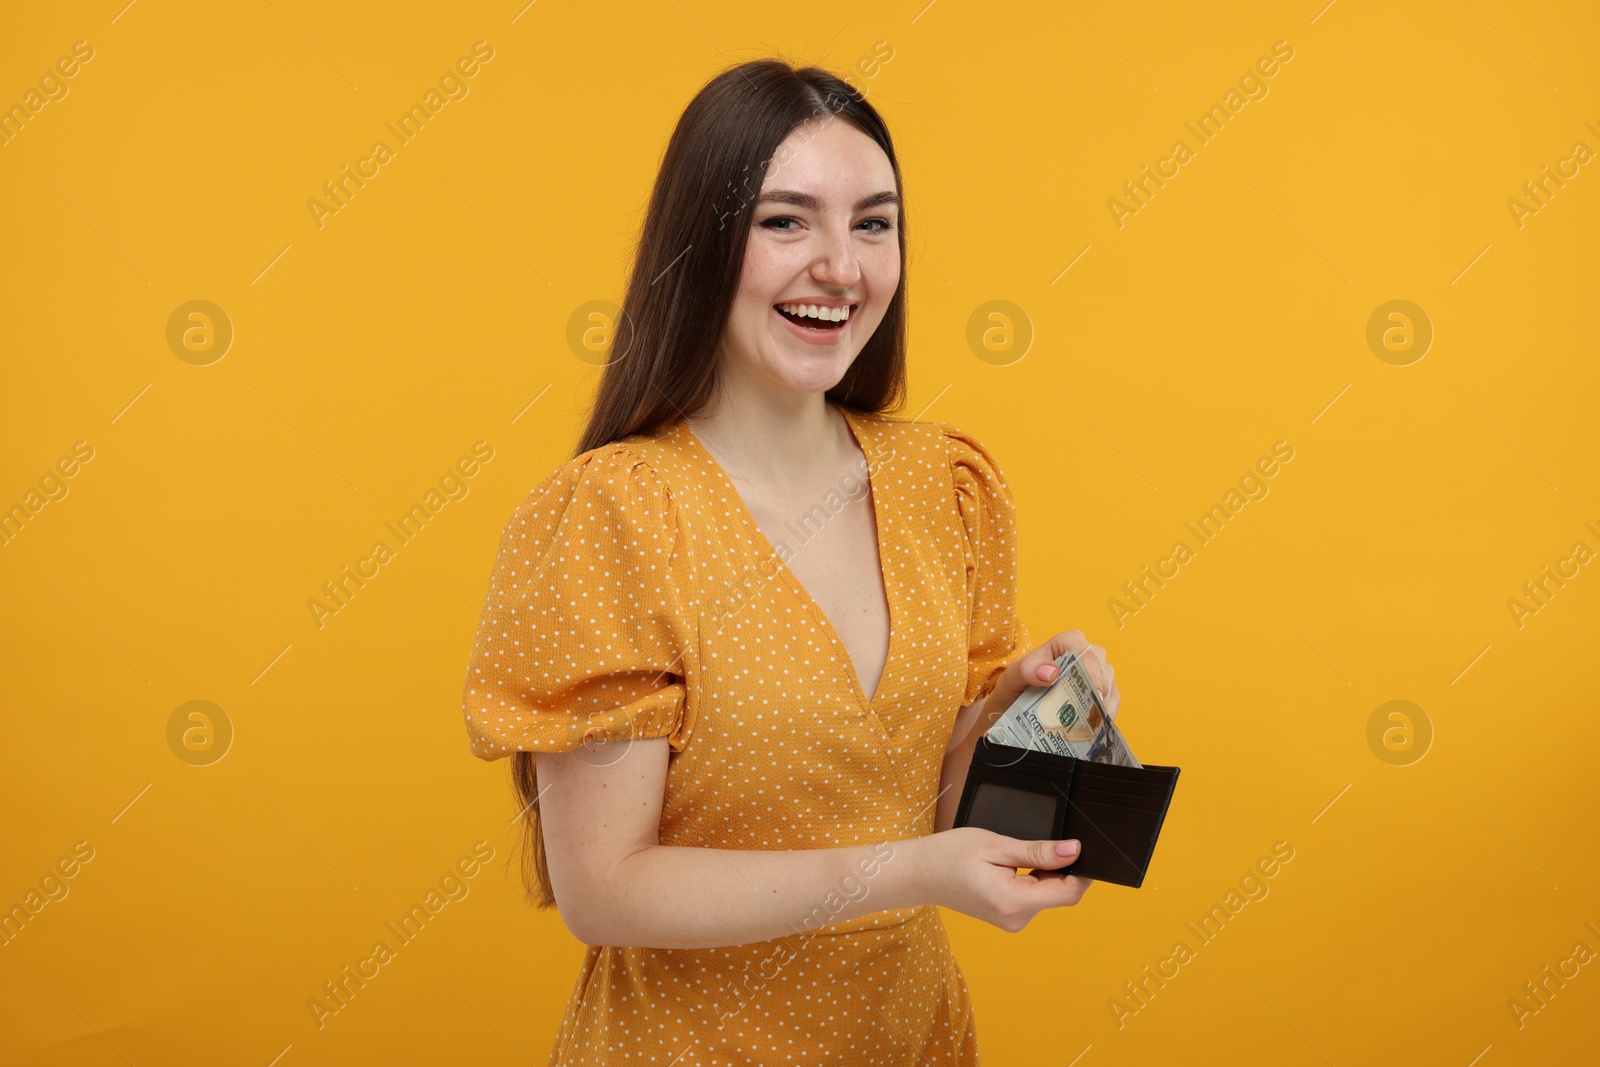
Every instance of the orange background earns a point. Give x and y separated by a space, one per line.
1167 354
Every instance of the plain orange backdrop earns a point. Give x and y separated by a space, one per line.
1142 362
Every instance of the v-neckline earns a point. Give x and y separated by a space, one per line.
738 506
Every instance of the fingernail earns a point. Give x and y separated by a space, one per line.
1047 671
1067 848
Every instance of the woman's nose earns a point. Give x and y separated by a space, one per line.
836 263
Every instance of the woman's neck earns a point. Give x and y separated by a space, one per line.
784 444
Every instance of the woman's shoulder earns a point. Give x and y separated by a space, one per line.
605 462
933 439
620 482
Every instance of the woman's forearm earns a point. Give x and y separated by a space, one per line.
669 896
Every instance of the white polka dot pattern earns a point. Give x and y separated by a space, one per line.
634 596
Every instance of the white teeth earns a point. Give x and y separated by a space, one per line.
816 311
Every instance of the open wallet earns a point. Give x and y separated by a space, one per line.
1115 811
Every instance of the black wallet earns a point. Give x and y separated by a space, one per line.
1116 812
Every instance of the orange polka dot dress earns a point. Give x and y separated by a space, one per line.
634 596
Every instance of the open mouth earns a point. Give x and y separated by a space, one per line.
815 317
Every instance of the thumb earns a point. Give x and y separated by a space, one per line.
1038 855
1036 668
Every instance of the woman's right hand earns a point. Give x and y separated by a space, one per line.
974 871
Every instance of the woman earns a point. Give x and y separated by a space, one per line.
685 622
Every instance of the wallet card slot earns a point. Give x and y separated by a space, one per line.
1130 830
1108 772
1119 787
1085 795
1117 842
1155 787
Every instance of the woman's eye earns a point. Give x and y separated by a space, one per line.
789 224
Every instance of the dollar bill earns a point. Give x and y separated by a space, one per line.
1065 718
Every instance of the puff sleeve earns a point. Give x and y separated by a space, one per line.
987 511
584 633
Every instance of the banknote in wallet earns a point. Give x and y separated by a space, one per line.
1065 718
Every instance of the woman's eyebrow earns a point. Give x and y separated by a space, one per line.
806 200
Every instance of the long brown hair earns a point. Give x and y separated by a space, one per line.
685 275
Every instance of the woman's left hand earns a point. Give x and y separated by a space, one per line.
1039 668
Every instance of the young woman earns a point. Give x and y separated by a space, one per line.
750 634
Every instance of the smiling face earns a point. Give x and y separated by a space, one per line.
821 262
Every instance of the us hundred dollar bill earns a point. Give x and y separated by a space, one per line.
1065 718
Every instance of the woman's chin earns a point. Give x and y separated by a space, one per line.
813 373
796 367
